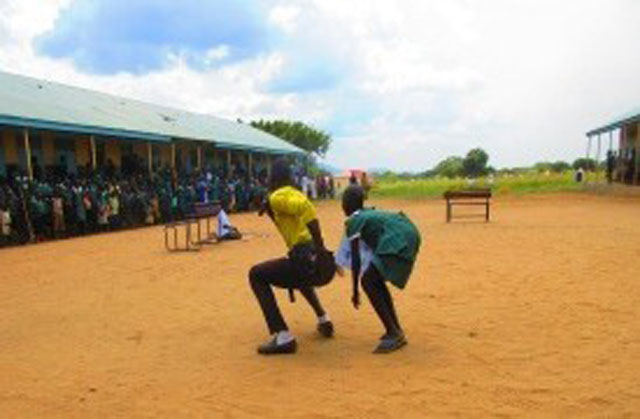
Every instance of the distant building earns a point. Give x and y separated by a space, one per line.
343 179
622 161
46 126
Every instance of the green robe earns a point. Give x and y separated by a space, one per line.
392 237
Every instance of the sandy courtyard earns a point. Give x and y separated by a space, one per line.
534 314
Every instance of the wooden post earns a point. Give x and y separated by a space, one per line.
173 156
27 149
487 209
250 164
228 164
94 162
150 158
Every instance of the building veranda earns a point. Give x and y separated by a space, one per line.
47 127
622 162
74 161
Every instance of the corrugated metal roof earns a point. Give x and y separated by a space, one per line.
619 122
30 102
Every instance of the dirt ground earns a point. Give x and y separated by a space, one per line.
534 314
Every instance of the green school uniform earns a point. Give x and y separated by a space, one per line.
394 239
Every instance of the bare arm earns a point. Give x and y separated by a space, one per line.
355 271
316 234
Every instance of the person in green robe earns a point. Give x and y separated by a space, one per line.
379 246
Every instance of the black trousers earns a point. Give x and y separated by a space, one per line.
281 273
376 289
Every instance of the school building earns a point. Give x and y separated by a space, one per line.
625 158
45 125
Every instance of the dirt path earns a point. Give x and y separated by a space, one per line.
536 313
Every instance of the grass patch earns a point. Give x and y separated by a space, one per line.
524 183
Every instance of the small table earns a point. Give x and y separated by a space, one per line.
201 211
468 197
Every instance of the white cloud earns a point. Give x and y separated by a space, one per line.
285 17
421 80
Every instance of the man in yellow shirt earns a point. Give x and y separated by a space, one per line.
308 264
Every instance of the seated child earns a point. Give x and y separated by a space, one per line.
225 230
379 246
5 225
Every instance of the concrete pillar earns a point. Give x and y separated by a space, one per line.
598 160
611 140
27 149
636 146
199 158
269 165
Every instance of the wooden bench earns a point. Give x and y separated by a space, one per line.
201 211
468 197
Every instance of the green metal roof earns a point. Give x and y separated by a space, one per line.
33 103
619 122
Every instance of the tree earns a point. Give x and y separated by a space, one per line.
450 167
560 166
547 166
297 133
542 166
475 163
585 164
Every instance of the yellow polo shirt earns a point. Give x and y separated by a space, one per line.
292 212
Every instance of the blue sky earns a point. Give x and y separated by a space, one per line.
108 37
400 84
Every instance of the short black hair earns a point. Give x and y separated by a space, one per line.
352 199
280 173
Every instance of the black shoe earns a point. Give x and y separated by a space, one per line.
272 347
390 343
391 336
326 329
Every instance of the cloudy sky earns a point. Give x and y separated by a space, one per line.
399 84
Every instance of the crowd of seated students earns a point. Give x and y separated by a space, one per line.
57 204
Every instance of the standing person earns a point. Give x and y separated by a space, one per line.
611 162
304 185
379 246
114 207
332 187
5 217
366 185
57 205
308 265
81 211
